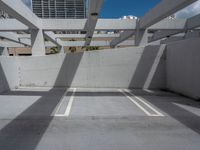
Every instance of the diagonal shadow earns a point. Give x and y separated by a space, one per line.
141 77
46 93
144 69
170 107
4 86
25 133
1 50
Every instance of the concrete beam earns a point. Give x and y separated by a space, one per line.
164 9
18 10
163 34
10 44
172 39
164 24
37 42
12 25
80 24
123 36
15 38
115 24
97 43
168 24
190 24
93 13
77 36
63 24
51 37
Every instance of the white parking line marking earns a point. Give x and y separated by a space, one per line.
69 106
136 103
60 103
145 103
67 111
158 114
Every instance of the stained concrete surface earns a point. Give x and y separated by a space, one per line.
99 119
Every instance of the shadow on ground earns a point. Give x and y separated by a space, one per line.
172 107
25 134
151 71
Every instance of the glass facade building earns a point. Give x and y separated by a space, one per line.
63 9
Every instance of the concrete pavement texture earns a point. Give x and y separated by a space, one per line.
97 119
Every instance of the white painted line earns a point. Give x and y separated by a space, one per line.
69 106
56 114
136 103
60 103
149 106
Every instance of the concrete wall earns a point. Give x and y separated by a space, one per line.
9 78
125 67
183 67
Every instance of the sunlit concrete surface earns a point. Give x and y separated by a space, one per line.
100 119
117 98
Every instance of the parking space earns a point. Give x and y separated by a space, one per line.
40 118
75 103
103 103
29 103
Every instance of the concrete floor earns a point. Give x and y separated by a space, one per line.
97 119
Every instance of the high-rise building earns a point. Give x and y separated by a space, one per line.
63 9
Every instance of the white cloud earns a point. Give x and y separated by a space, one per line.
189 11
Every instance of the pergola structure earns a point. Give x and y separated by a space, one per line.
151 27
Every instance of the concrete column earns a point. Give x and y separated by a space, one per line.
4 51
142 36
62 51
37 42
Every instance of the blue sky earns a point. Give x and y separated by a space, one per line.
119 8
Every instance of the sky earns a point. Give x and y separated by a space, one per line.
119 8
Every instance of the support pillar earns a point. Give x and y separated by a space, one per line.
37 42
4 51
62 50
141 36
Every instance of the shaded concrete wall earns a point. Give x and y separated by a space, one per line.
183 67
9 78
125 67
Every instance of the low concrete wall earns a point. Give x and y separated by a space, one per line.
183 67
9 78
123 68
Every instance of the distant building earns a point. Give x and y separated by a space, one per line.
64 9
129 17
